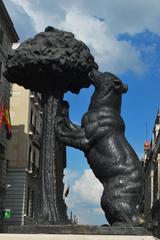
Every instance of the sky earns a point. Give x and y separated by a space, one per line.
124 37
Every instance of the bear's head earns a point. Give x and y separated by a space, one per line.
108 90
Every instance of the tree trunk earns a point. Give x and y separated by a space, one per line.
47 212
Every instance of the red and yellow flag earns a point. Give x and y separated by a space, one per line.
7 122
1 116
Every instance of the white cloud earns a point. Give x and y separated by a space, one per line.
121 15
91 216
98 211
39 17
111 54
84 198
69 176
133 16
88 188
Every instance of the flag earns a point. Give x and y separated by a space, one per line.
7 122
67 191
1 113
1 116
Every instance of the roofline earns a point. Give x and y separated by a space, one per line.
156 118
9 21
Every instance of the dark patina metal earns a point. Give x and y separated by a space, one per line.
51 63
110 156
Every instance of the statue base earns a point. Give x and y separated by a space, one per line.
72 237
79 229
76 232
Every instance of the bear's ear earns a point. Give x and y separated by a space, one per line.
125 88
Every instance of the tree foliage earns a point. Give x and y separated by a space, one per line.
52 60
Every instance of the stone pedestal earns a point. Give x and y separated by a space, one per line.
72 237
76 232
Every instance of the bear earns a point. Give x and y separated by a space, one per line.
101 137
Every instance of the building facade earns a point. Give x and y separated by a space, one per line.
8 35
23 155
24 162
149 171
152 178
20 157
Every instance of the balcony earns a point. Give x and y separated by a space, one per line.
37 140
33 170
32 130
36 99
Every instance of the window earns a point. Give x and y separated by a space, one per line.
1 36
32 205
30 202
35 121
31 116
34 157
29 157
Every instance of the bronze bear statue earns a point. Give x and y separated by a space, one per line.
110 156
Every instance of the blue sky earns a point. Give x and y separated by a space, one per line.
124 37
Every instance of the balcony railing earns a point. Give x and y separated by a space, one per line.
32 130
33 170
37 140
36 98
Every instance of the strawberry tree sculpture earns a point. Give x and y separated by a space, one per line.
51 63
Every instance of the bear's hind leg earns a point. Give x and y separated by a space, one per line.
121 211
